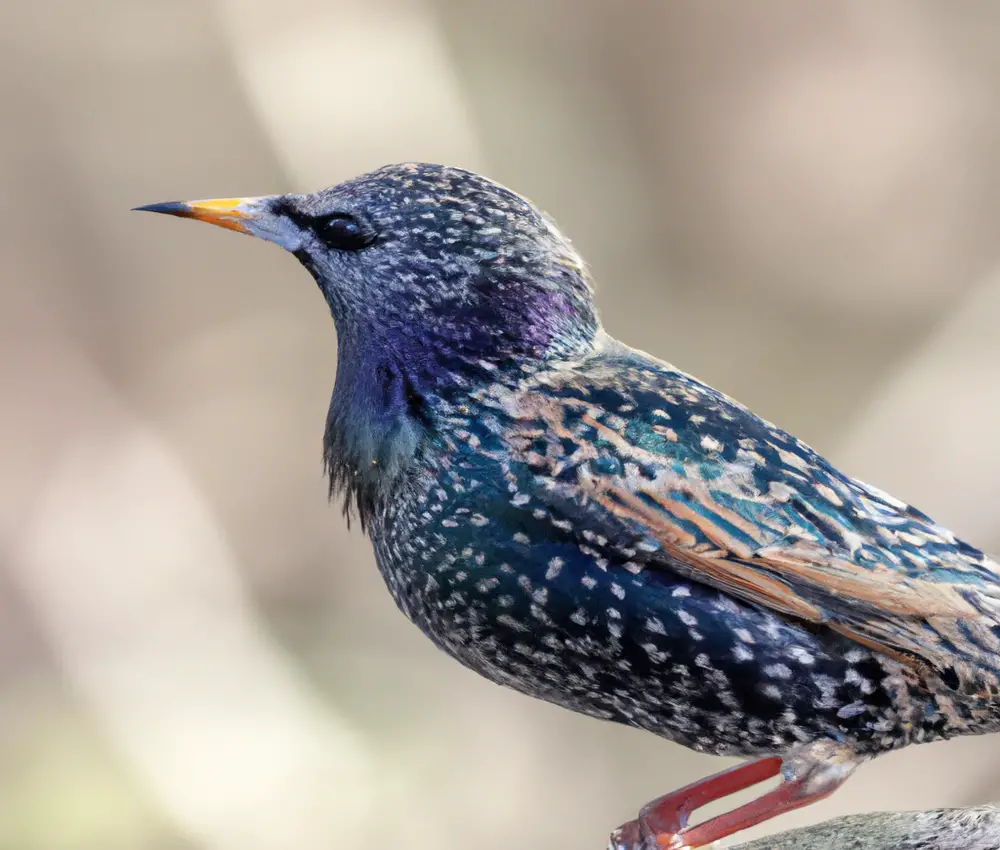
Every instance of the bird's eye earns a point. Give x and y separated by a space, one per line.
343 232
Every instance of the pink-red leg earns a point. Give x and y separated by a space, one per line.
663 824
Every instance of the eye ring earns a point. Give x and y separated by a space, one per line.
343 232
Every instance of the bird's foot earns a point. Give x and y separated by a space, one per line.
808 775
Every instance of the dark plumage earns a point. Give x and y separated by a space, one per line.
588 525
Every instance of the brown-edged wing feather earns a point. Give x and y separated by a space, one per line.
726 499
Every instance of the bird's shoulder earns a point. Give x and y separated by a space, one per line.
622 418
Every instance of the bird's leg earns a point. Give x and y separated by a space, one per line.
666 818
807 776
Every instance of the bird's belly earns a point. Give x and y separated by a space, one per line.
651 650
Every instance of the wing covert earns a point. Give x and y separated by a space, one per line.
678 476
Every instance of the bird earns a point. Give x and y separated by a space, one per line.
591 526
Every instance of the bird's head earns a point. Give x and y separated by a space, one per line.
438 279
434 262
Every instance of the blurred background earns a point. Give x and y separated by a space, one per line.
799 203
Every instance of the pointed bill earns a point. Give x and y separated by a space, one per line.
231 213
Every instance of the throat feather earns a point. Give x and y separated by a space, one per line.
378 416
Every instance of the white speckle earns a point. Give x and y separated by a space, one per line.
657 656
510 622
780 491
778 671
885 497
853 677
828 692
744 635
697 419
615 629
614 613
579 616
552 641
803 656
539 614
751 458
853 540
681 591
618 590
522 538
791 459
852 710
853 656
588 582
656 626
710 444
541 596
520 499
687 619
478 520
828 494
488 584
555 567
772 628
771 691
505 601
449 523
741 653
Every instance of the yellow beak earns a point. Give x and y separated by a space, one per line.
231 213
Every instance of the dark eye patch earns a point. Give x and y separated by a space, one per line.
342 231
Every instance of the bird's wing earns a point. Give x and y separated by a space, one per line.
667 473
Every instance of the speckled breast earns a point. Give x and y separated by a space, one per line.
510 594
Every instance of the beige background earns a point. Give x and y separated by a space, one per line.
796 202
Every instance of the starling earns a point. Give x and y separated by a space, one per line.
588 525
